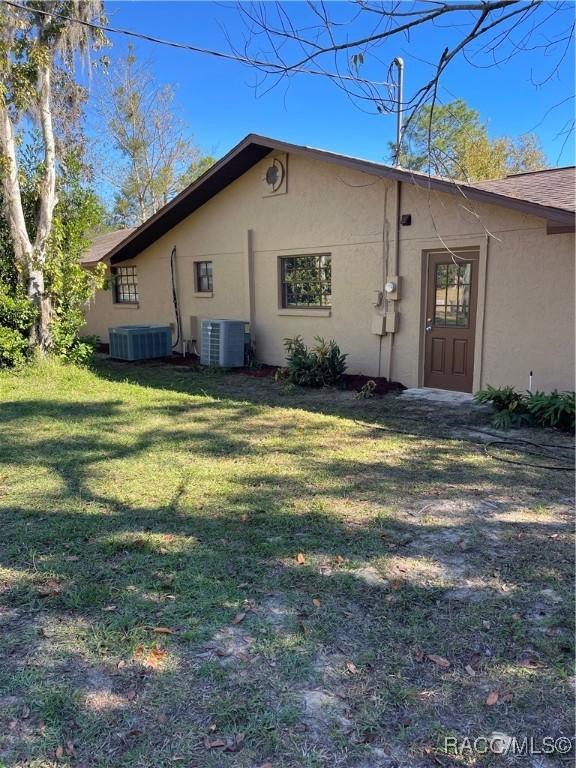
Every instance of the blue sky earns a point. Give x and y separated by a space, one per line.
219 100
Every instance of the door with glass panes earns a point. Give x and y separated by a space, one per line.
452 290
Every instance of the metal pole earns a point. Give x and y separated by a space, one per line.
399 104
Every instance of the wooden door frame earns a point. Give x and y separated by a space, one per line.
461 244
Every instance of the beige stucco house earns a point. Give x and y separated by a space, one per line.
421 280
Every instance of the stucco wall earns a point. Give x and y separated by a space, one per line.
528 313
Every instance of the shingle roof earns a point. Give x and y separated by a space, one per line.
554 187
103 244
546 194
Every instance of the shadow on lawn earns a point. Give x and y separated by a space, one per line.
78 559
410 417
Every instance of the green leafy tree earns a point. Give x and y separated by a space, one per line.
77 213
156 156
451 140
39 49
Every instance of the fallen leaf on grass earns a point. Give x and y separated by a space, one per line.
492 698
163 630
440 661
131 695
70 749
507 697
50 588
419 655
339 559
351 668
529 664
265 765
316 603
239 617
233 745
426 695
214 744
59 752
471 671
300 559
109 608
149 657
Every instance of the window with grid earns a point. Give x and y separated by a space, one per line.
452 301
204 281
125 282
306 281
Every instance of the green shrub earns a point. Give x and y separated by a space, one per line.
17 314
509 405
13 348
515 409
16 310
553 409
321 365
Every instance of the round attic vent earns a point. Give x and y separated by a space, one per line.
275 174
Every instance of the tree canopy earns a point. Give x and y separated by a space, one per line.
452 140
153 156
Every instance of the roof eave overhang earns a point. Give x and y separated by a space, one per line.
254 148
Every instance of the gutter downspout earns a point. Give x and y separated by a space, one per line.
250 295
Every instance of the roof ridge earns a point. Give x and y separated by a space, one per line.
542 170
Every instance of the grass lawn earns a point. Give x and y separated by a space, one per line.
207 570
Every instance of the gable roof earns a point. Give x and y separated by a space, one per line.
103 244
556 207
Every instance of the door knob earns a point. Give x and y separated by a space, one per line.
428 327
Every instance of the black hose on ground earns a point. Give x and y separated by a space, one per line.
544 449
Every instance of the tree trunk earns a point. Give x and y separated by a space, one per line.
30 257
40 336
11 191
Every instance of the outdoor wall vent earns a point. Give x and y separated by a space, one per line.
223 343
275 175
140 342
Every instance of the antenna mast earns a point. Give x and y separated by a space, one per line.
399 107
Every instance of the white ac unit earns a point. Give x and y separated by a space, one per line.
223 343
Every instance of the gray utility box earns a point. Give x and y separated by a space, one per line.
140 342
223 343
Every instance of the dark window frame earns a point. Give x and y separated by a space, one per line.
125 285
204 276
298 290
